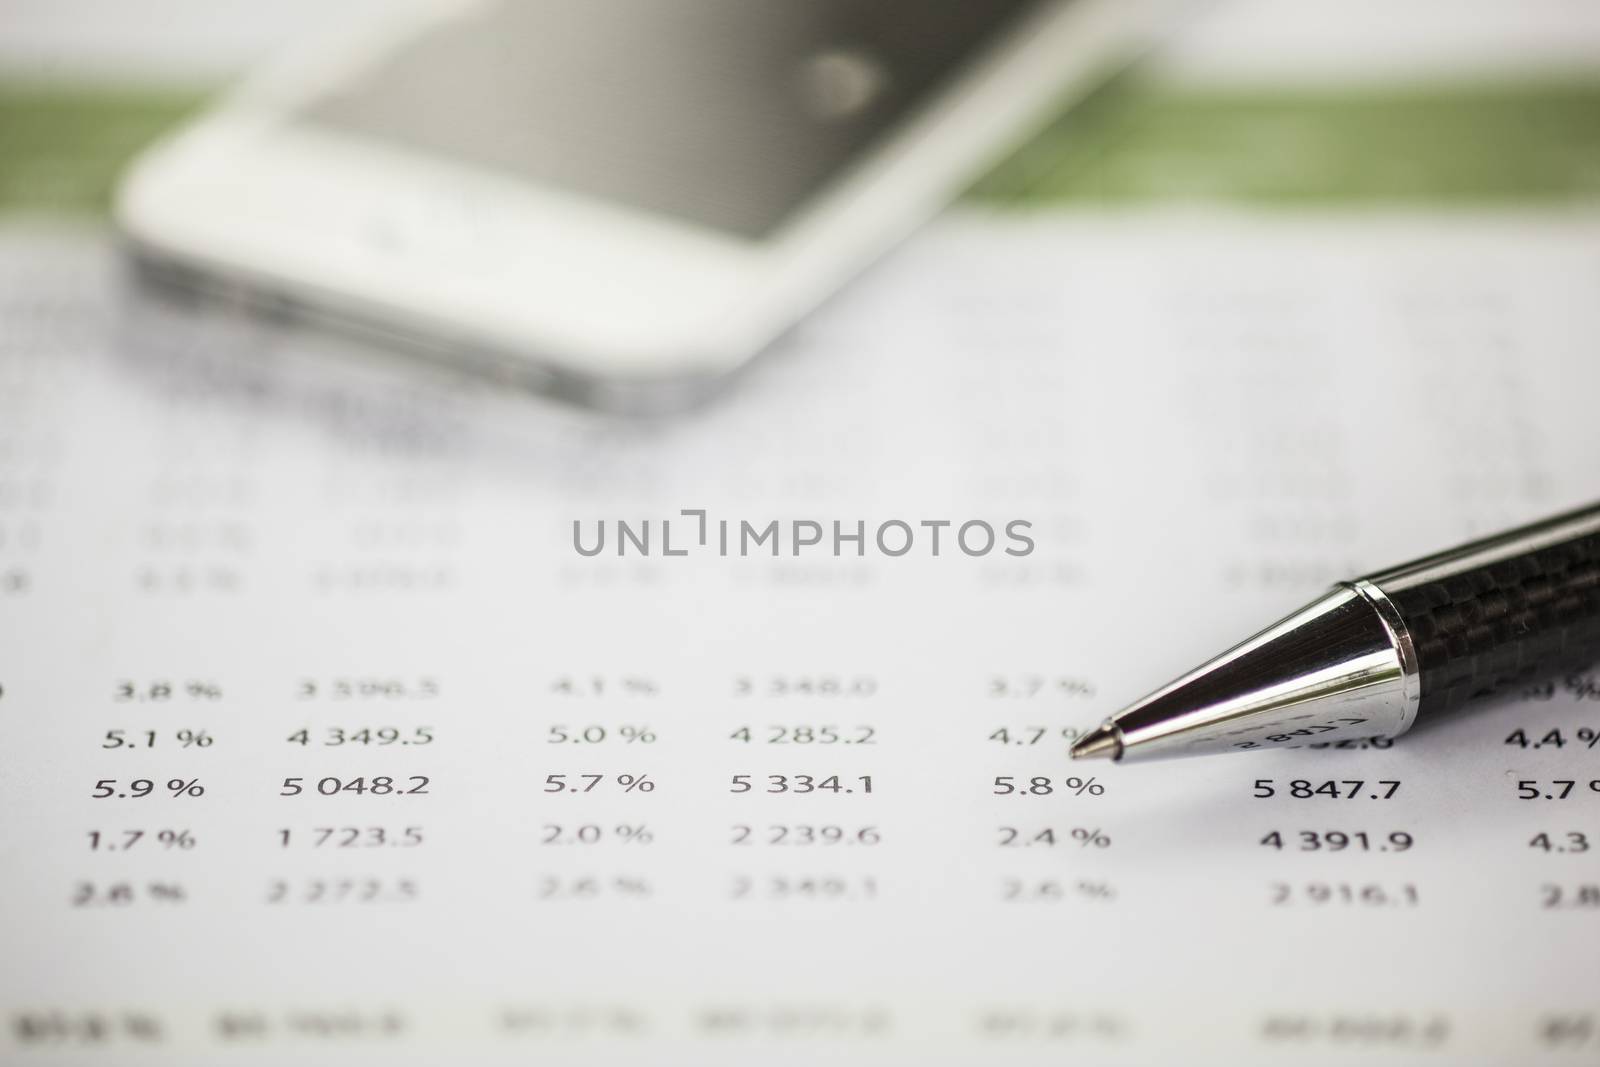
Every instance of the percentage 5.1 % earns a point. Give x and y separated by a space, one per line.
1011 785
587 783
116 789
133 740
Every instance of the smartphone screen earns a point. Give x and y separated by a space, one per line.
729 114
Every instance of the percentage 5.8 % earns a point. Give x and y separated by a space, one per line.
1010 785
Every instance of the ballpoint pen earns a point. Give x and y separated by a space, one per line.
1377 654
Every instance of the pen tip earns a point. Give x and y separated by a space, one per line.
1103 742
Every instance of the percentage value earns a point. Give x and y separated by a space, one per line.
1032 735
584 783
1554 788
594 735
123 840
1082 836
596 686
591 834
148 739
590 888
143 787
1051 889
116 894
159 691
1585 736
1009 785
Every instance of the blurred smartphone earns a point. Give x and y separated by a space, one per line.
621 201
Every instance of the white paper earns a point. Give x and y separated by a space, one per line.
1204 424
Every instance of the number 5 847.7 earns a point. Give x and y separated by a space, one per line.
1337 789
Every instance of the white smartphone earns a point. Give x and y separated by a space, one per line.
621 201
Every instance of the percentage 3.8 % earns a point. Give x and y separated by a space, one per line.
1006 784
585 783
113 788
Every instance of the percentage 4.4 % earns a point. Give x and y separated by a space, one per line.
113 788
1555 737
1006 784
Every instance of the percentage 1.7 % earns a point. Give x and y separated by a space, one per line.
122 840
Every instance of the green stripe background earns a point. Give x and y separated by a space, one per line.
1138 141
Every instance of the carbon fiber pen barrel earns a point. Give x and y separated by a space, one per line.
1502 611
1377 654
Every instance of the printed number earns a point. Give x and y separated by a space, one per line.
1347 789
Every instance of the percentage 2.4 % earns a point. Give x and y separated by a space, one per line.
1011 785
113 788
1080 836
